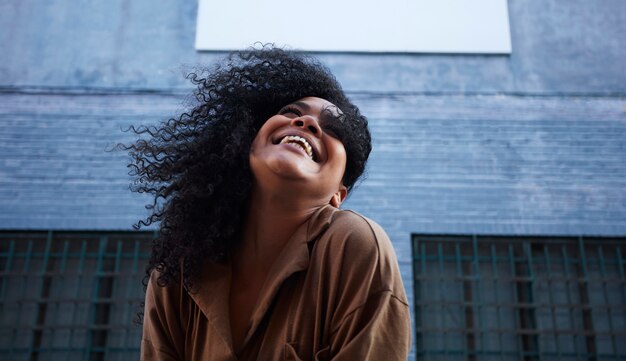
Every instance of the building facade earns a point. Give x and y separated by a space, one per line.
499 178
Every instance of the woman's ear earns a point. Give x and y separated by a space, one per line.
339 196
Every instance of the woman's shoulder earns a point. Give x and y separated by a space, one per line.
355 251
356 230
357 240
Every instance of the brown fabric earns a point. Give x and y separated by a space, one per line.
334 293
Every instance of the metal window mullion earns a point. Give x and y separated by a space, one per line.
422 257
96 292
548 263
116 275
129 303
465 304
622 280
61 285
516 297
44 299
25 271
441 296
417 261
76 305
570 302
477 296
496 279
606 299
532 311
621 265
7 268
583 289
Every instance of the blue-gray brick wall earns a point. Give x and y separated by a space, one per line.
529 143
505 164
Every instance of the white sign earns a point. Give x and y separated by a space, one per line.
420 26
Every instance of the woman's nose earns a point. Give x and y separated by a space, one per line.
309 123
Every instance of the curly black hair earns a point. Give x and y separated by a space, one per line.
197 165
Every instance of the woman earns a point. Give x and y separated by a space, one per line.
254 260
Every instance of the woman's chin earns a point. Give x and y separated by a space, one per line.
289 166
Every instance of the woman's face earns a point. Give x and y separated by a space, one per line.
292 150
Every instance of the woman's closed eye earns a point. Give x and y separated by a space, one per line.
290 110
331 130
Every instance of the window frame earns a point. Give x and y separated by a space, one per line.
560 305
71 294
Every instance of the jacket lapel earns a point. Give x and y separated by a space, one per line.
293 258
211 296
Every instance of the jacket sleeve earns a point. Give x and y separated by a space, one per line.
162 337
371 319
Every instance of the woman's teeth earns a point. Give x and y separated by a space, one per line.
299 142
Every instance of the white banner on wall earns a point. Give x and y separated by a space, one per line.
420 26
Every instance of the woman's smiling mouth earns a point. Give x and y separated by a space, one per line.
299 142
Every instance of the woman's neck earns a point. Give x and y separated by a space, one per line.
270 222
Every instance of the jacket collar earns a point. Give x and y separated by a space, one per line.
213 285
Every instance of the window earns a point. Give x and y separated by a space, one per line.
71 296
519 298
